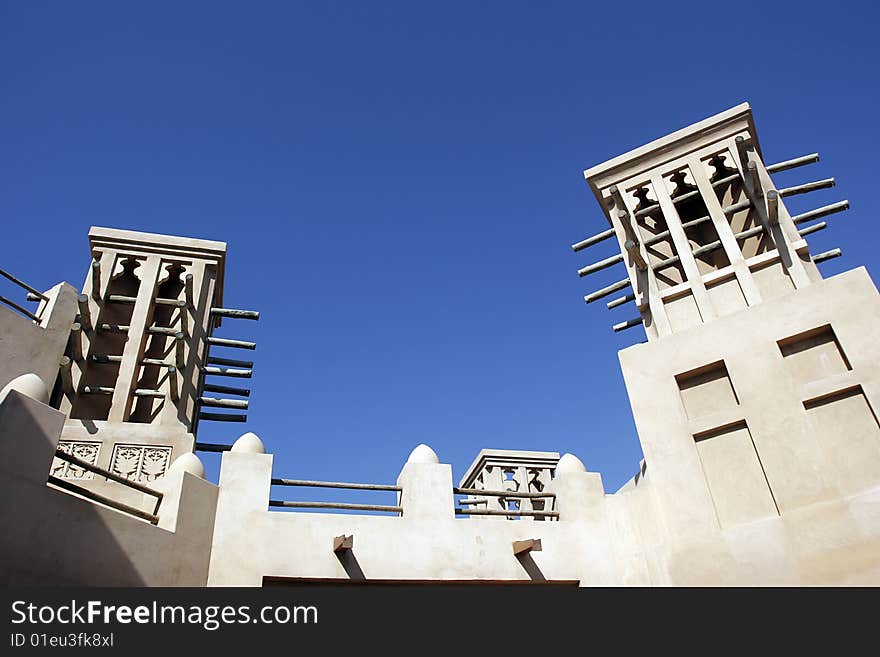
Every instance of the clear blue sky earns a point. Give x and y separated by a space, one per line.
399 184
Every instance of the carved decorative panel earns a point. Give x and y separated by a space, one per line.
84 451
143 463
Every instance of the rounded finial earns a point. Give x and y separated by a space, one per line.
29 385
423 454
249 443
570 463
189 462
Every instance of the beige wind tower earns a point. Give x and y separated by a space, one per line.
137 370
757 390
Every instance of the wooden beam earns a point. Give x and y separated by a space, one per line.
343 543
530 545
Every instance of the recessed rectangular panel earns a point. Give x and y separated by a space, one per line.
706 391
814 355
772 281
683 313
736 479
847 430
726 296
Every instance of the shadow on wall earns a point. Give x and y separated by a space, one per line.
55 538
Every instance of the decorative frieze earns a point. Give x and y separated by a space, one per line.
142 463
85 451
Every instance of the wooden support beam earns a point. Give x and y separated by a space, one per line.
76 341
145 392
824 211
223 417
188 286
530 545
217 402
231 362
105 358
595 239
225 371
179 346
66 375
112 328
755 179
620 301
343 543
229 390
622 326
97 390
605 291
791 164
172 383
773 206
85 318
96 280
815 228
235 314
827 255
807 187
226 342
211 447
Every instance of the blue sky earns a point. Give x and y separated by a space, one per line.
399 184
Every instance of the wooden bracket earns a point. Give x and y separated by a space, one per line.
530 545
343 543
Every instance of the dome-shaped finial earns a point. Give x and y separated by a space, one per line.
249 443
29 385
570 463
188 462
423 454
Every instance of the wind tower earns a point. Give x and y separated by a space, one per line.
135 378
757 390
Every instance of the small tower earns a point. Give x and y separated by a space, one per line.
758 389
133 377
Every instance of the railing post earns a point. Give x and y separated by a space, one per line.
579 493
427 487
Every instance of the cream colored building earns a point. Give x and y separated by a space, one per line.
754 396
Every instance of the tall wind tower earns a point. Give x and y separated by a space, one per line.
758 388
138 371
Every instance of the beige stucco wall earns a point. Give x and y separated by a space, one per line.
55 538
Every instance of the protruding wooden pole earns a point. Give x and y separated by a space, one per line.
773 206
755 179
188 285
216 402
225 371
229 390
226 342
85 319
815 228
605 291
827 255
818 213
622 326
179 348
76 341
827 183
343 543
530 545
184 317
236 314
96 280
620 301
66 375
230 362
595 239
222 417
172 383
791 164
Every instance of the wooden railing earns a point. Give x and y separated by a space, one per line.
103 499
335 505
